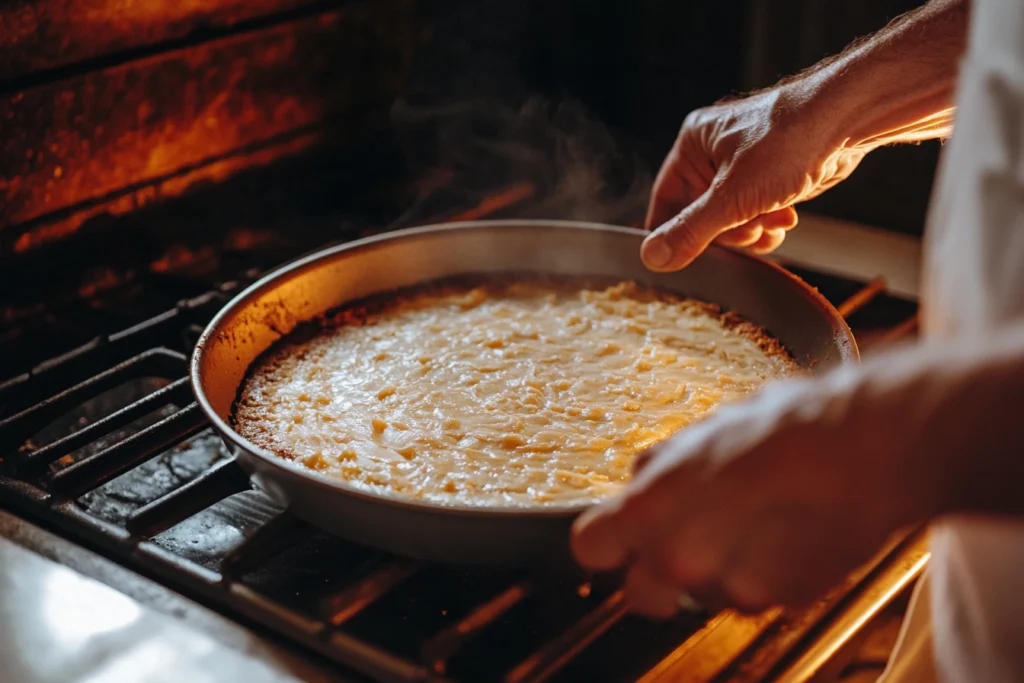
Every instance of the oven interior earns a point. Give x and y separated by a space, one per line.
156 160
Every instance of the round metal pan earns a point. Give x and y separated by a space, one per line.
758 290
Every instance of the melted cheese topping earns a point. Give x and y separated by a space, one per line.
517 394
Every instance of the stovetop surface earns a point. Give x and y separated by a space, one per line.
105 444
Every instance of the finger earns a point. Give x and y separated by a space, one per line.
749 593
769 241
649 596
598 538
743 236
785 218
710 598
605 535
678 241
643 459
678 183
669 196
693 553
750 233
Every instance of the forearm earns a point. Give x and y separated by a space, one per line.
896 86
954 411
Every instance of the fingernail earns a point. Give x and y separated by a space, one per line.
655 252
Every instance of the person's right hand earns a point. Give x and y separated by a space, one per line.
736 170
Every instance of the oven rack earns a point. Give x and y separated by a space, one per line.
50 483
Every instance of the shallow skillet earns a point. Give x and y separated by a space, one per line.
763 293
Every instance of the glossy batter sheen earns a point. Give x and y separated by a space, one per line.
519 394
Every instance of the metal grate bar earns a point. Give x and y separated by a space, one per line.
268 540
103 532
222 480
94 356
33 462
111 462
862 298
439 650
338 646
357 596
174 567
877 593
155 362
708 653
546 662
376 663
797 630
308 627
13 385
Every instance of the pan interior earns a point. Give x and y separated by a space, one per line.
764 294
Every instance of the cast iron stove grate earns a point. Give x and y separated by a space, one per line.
106 444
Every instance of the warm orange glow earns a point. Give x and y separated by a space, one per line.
244 239
169 188
498 201
111 130
429 184
44 235
105 279
178 257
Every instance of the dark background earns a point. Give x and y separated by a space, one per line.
611 82
107 109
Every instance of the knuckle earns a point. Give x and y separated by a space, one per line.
691 121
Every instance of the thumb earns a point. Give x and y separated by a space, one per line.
682 238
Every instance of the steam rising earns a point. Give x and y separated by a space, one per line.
581 171
472 109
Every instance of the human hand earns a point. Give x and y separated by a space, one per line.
736 170
769 502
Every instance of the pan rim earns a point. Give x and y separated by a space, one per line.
849 353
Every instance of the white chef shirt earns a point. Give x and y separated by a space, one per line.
966 622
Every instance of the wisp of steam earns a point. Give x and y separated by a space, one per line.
470 113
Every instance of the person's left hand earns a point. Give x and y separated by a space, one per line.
772 501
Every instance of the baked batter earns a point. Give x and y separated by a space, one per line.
524 393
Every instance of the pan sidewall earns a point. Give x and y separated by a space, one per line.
756 289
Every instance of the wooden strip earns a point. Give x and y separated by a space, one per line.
88 136
41 35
